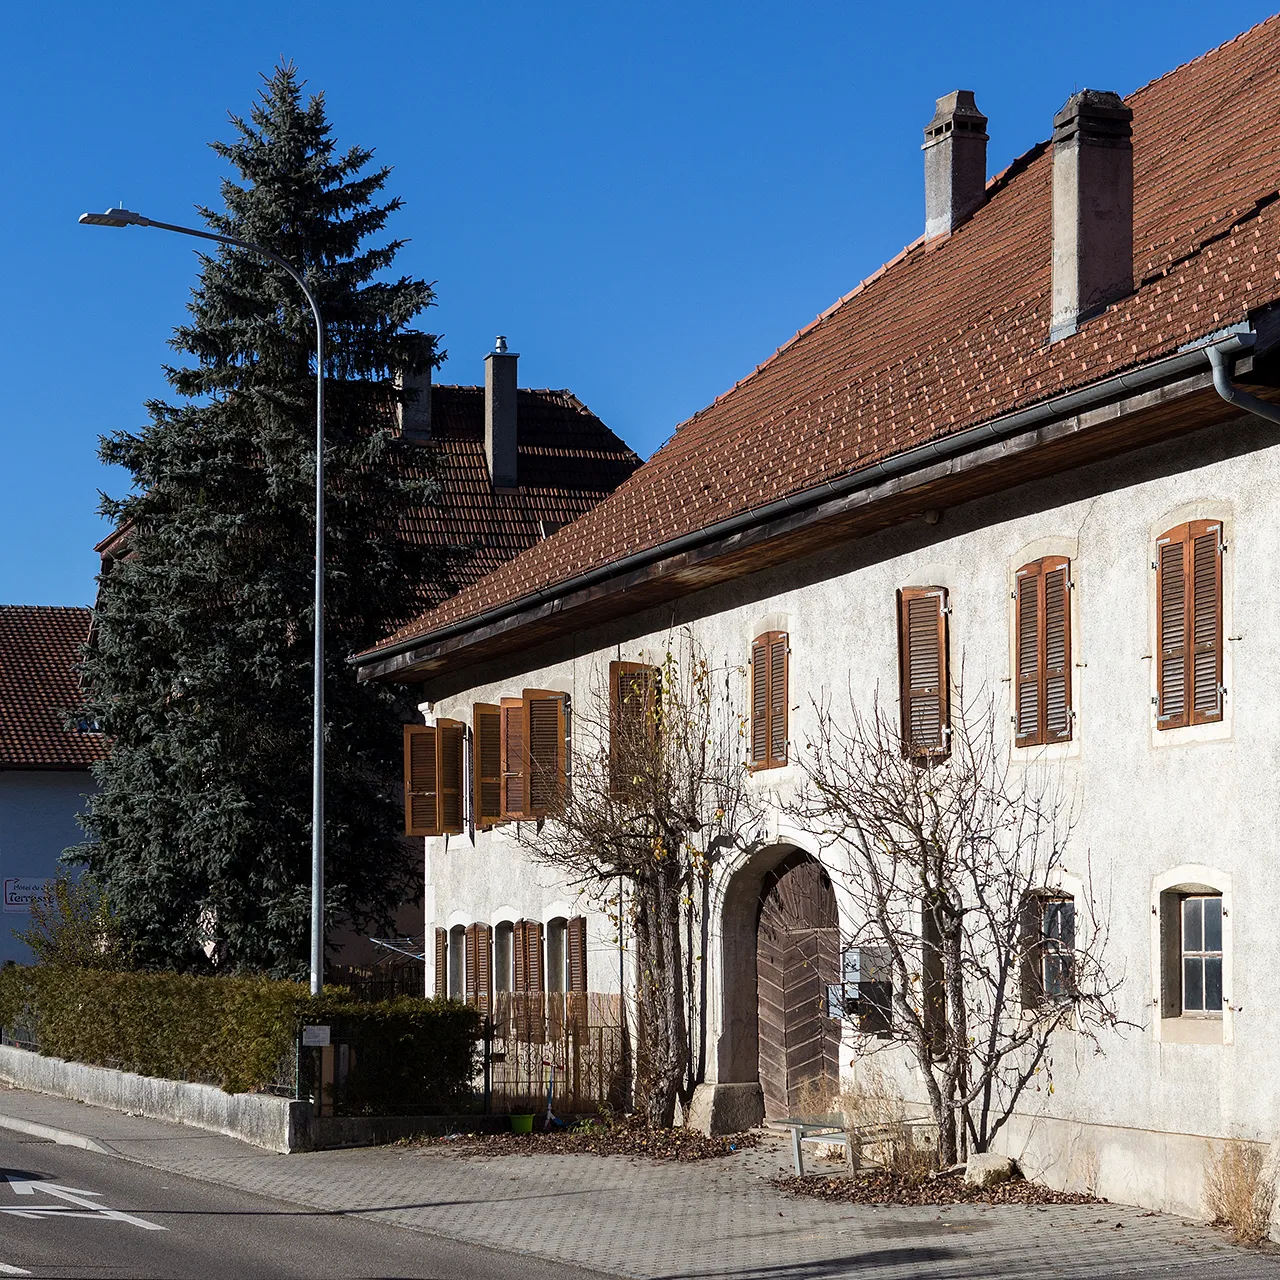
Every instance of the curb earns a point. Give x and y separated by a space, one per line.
63 1137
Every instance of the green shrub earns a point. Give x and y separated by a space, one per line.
241 1033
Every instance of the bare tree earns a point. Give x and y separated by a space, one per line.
970 953
656 790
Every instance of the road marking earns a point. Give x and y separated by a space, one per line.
72 1196
7 1270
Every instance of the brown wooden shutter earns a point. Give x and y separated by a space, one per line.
515 761
1042 707
421 781
1189 625
544 724
451 735
486 763
575 941
1030 937
1205 625
1170 955
922 645
769 671
442 963
527 941
479 979
634 691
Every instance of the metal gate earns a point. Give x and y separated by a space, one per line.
797 955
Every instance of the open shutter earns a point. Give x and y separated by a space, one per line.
451 734
576 948
544 725
486 763
442 963
922 644
1170 955
1028 679
633 722
1056 579
778 698
759 702
421 781
1205 626
515 761
1030 938
1171 629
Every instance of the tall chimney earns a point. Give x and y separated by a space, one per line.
414 413
955 164
1092 208
500 414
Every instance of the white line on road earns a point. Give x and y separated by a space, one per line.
32 1186
7 1270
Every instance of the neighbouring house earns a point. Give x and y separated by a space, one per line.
45 754
1013 449
513 465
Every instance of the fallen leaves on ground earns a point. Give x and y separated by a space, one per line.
616 1138
881 1187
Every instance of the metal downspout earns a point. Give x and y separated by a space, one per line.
1232 394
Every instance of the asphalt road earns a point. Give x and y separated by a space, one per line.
73 1213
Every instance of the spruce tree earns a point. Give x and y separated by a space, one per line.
200 666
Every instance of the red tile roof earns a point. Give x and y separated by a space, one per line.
948 336
567 462
39 650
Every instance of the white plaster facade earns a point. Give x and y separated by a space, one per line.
1157 809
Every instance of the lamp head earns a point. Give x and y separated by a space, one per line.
114 218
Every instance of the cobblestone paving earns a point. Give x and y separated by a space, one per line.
706 1221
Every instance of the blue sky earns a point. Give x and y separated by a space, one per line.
647 198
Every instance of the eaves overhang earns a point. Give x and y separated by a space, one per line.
1164 397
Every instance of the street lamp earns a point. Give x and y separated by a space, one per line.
127 218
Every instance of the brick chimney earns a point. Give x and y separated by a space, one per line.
1092 208
955 164
500 415
414 413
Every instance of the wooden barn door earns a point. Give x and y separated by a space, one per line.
797 955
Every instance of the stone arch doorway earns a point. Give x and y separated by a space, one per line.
797 955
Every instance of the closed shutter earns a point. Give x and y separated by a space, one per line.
528 948
922 646
544 724
479 981
442 963
486 763
1042 709
769 698
515 762
1189 625
421 781
451 735
576 947
634 694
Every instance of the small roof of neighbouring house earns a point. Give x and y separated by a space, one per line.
39 651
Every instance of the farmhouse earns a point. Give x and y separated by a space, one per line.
1038 451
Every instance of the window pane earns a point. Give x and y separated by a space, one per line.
502 956
555 954
1193 985
1192 924
1213 985
1213 924
1053 984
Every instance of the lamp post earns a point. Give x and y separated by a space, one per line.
127 218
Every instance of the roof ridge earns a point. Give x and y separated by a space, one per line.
50 608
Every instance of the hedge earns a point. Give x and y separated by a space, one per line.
241 1033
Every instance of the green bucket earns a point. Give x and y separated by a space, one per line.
522 1124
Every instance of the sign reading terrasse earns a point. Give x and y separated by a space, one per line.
20 893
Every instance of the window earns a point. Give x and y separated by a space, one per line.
1042 704
634 706
457 962
866 990
770 655
479 966
556 955
433 774
1048 949
1202 955
1188 569
532 753
503 956
922 652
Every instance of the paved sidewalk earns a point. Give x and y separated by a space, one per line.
707 1221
